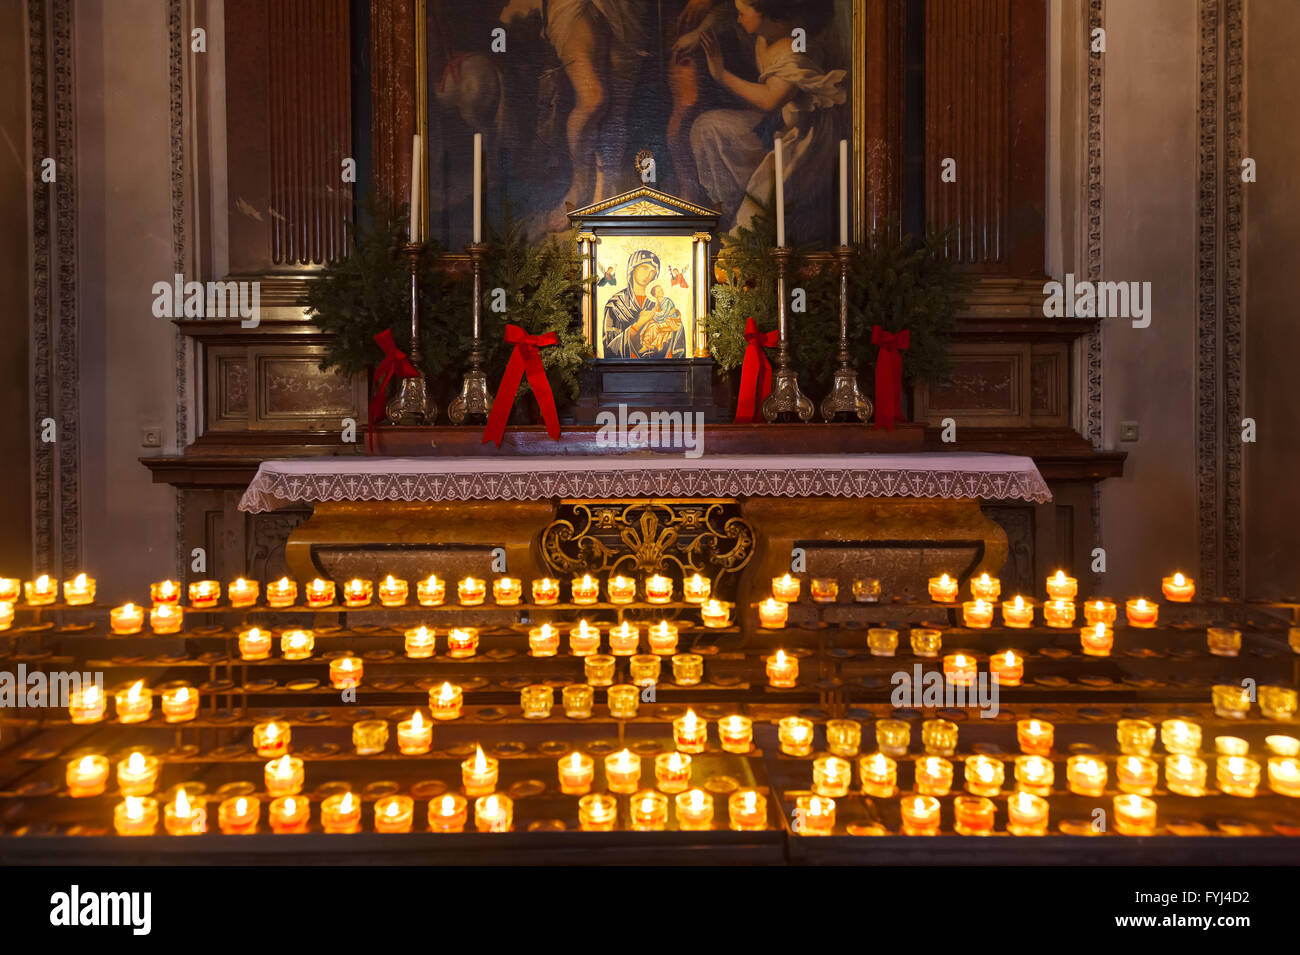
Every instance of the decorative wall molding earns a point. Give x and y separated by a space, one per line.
1219 318
176 46
1092 350
55 338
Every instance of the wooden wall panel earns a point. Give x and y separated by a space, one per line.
288 128
881 83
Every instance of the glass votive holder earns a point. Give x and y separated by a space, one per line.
943 589
939 737
1098 611
340 814
1059 586
824 590
1058 612
204 594
431 592
1277 702
419 643
597 812
782 670
254 644
1135 815
479 773
577 699
973 815
546 591
161 592
878 775
663 638
747 810
977 614
1178 588
445 701
393 592
795 734
688 669
1027 814
882 641
1223 641
673 772
1293 639
844 737
281 593
933 776
319 593
1136 774
893 737
984 775
1282 745
272 738
507 591
832 776
87 704
1035 774
624 640
358 593
1185 775
658 589
1237 775
1007 668
920 815
181 817
448 813
462 642
786 588
985 587
1135 737
346 672
1035 737
1231 702
926 642
696 589
584 639
394 813
297 644
814 815
134 704
866 590
576 772
694 810
124 620
1018 613
690 733
87 776
715 613
1141 612
623 699
369 736
166 618
137 775
11 590
1096 640
585 589
537 700
736 733
1231 746
621 590
283 776
136 816
414 736
543 641
471 591
1284 775
772 613
1086 775
960 669
599 669
623 772
644 668
180 704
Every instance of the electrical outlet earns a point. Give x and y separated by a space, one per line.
151 437
1128 430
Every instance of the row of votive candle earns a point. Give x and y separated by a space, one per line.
787 588
134 703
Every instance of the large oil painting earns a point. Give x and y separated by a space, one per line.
583 86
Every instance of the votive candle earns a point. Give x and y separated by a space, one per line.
80 591
624 639
815 815
507 591
831 776
414 736
358 592
1137 774
180 704
690 733
1086 775
448 813
1096 640
843 737
543 641
694 811
137 775
984 775
977 614
283 776
878 775
136 816
166 618
747 810
1185 775
238 816
882 641
1135 815
204 594
584 639
623 700
786 588
1026 814
272 738
795 734
673 772
736 733
920 815
644 669
1141 612
393 592
1035 737
715 613
658 589
578 698
688 669
599 669
649 811
1035 774
1223 641
585 589
165 592
576 772
973 815
1018 613
939 737
597 812
1059 586
1284 775
1099 611
959 669
1180 737
1237 775
623 772
1135 737
782 670
462 642
1178 588
87 776
340 814
431 592
933 776
369 737
126 619
546 591
926 642
893 737
471 591
824 590
943 589
1007 668
479 773
536 701
346 672
282 593
297 644
985 587
242 593
254 643
86 705
772 613
184 818
419 642
135 703
696 589
1059 612
394 813
622 590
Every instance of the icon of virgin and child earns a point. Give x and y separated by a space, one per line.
640 320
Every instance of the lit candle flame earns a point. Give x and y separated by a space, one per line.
1060 577
345 804
575 761
392 810
446 694
283 768
272 730
1020 602
689 721
182 803
241 806
1010 659
417 722
133 694
134 807
480 761
80 581
448 805
675 762
945 581
290 806
1179 580
87 764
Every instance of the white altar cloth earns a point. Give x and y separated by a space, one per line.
993 477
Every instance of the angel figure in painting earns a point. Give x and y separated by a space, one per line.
679 279
793 94
636 324
608 277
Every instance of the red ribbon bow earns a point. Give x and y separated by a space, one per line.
526 359
889 374
755 373
394 365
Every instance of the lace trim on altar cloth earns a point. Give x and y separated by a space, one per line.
271 489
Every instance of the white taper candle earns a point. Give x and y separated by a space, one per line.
780 194
844 192
478 188
416 158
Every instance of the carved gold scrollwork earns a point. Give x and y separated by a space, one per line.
643 537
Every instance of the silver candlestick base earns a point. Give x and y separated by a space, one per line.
474 403
786 402
412 404
845 401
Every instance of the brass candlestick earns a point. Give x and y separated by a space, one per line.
474 402
786 402
845 402
412 404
